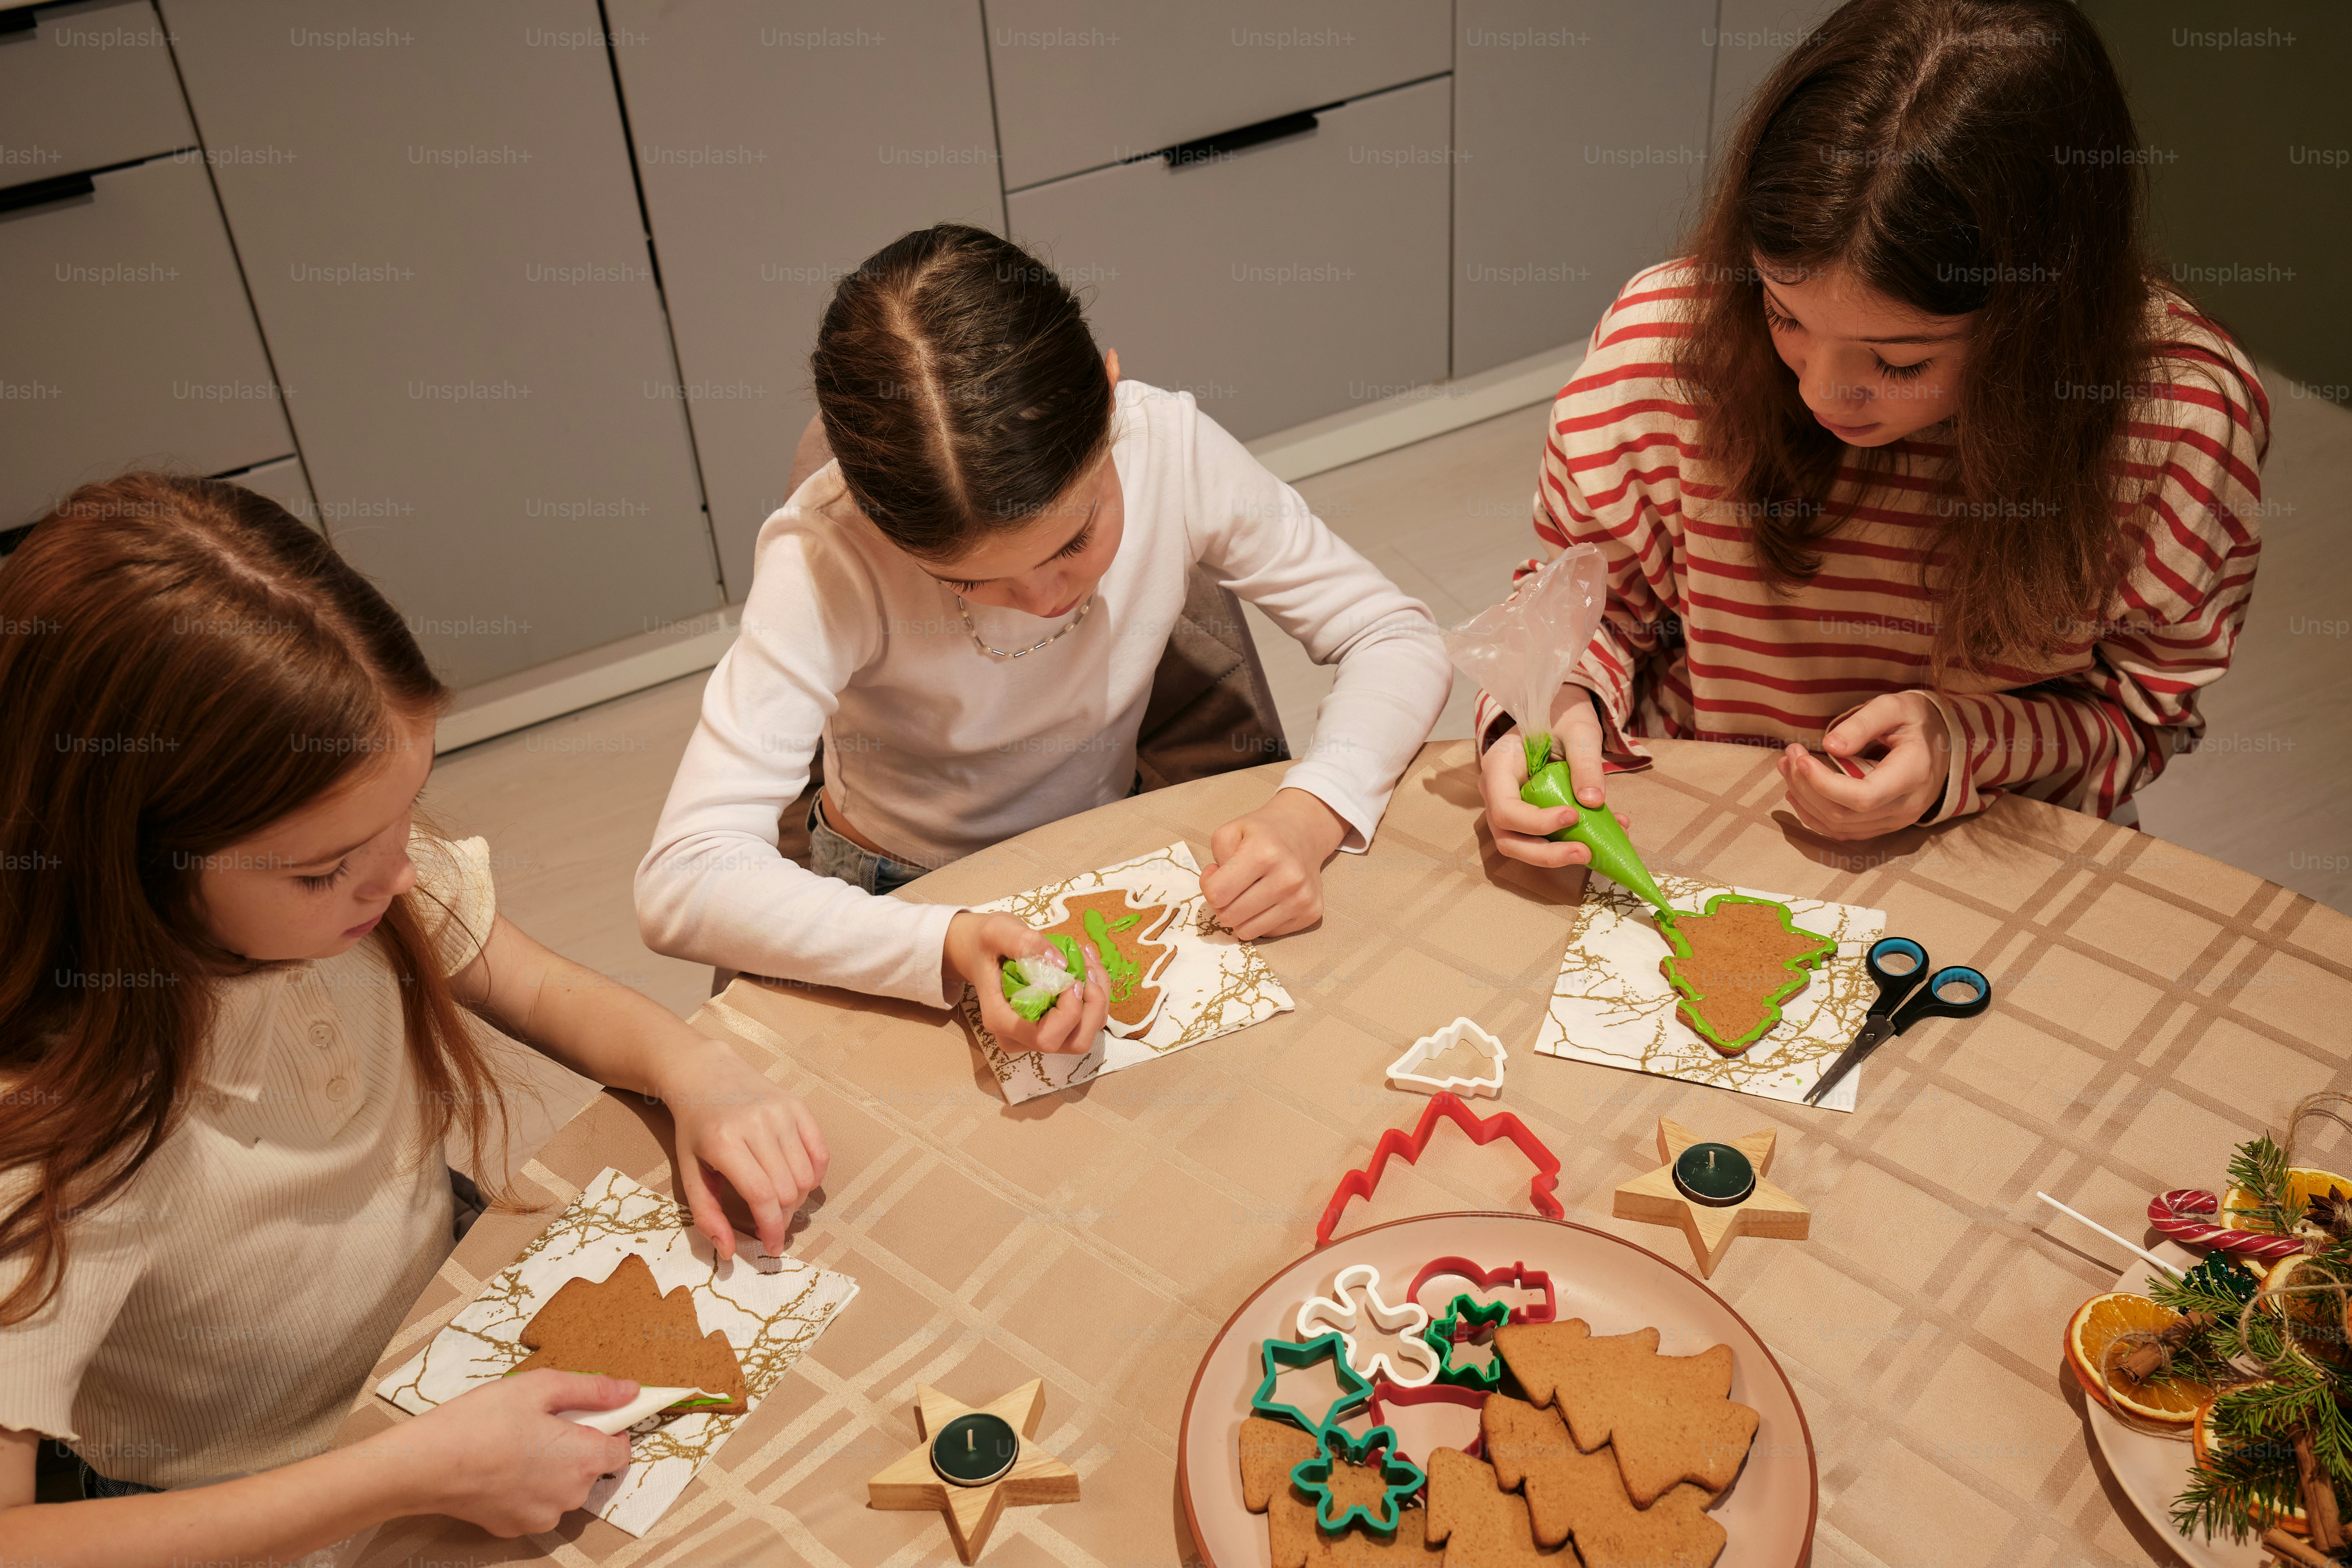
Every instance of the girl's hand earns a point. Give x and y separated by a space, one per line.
976 947
1906 784
500 1457
733 1123
1268 878
1522 832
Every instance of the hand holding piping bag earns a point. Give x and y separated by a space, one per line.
978 947
1523 651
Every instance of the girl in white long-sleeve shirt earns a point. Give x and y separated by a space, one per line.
965 610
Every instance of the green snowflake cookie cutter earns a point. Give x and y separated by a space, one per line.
1297 1356
1440 1337
1800 970
1400 1479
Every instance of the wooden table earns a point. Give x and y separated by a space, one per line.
2153 1008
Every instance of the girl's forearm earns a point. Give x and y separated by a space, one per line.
274 1516
594 1025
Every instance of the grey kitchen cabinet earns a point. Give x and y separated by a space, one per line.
1082 83
1582 127
768 175
87 87
1278 284
450 267
126 340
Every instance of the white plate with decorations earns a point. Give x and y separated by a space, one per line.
2151 1470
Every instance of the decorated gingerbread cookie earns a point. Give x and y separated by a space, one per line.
1121 936
623 1326
1735 964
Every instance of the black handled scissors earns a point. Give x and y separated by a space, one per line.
1899 964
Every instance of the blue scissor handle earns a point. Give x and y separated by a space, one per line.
1929 1003
1894 984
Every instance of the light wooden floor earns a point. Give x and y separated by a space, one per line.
568 806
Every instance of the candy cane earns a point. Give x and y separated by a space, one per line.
2174 1212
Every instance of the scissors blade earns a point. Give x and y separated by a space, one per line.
1876 1031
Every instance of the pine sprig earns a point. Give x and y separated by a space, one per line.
2297 1397
2236 1487
2259 1168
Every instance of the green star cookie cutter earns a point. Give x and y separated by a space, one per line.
1295 1356
1800 968
1400 1479
1440 1336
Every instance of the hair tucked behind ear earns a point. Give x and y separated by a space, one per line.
167 645
1958 156
960 387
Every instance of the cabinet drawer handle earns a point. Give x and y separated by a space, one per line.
1209 148
38 192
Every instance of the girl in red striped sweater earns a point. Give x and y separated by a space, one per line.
1911 461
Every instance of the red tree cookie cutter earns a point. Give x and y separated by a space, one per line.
1397 1140
1519 1275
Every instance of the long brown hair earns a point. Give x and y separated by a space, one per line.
1959 156
163 642
961 388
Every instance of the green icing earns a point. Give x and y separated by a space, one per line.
1034 1008
1122 971
1124 922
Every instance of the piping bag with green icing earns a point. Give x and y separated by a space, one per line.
1031 985
1522 650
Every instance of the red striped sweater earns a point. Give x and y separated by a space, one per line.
2084 730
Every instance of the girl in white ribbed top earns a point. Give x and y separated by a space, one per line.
231 1051
965 610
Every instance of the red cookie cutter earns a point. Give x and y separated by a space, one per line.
1386 1394
1518 1275
1397 1140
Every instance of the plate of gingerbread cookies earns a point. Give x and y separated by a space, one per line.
1627 1415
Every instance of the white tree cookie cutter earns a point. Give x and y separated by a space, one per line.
1342 1312
1429 1048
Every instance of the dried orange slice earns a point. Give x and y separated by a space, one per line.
2095 1326
2315 1323
2202 1443
2302 1184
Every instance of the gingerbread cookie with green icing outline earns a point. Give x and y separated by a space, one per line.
1745 961
1122 937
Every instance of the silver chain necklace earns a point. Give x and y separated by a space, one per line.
1065 630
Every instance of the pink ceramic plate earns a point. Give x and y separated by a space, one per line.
1613 1285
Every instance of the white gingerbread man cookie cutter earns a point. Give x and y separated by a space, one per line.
1402 1073
1341 1311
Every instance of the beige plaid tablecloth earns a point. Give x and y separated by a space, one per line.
2153 1007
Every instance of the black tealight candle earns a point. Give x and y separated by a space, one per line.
1716 1174
974 1449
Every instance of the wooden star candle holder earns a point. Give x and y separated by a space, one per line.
1709 1204
916 1481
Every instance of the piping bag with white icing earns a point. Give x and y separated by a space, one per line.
647 1401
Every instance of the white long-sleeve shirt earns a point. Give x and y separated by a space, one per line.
935 749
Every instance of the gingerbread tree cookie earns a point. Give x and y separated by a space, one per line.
1122 937
1270 1451
1577 1494
1669 1418
1735 964
623 1326
1482 1525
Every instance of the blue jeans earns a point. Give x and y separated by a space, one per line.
832 855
